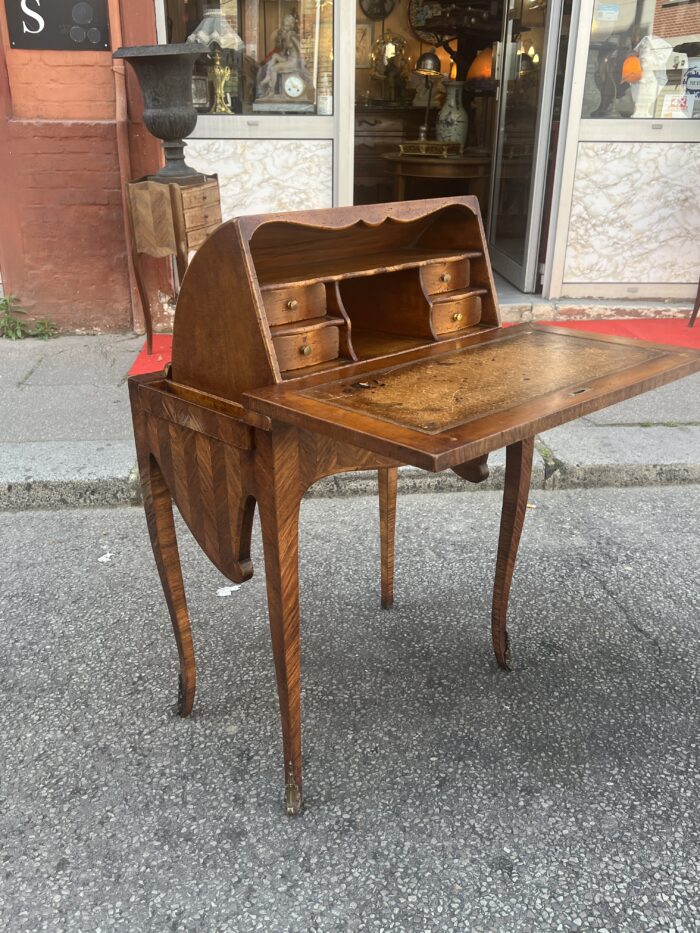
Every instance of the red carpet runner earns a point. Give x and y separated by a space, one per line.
673 331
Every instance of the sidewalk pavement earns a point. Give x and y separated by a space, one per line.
66 438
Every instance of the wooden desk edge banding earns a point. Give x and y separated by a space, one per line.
315 343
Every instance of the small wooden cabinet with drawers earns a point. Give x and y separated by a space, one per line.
332 295
196 214
169 220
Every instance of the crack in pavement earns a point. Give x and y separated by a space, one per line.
31 372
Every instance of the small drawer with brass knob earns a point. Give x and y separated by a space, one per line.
447 276
455 312
294 303
307 345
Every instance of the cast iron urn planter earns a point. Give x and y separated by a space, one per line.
165 76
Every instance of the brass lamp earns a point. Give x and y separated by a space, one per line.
217 33
428 64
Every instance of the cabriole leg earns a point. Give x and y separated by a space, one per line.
517 486
161 526
387 531
242 568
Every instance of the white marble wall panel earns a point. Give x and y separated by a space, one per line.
261 175
635 214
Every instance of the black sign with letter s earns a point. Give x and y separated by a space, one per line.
70 25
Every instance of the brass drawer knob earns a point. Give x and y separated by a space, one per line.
305 349
446 278
292 304
457 316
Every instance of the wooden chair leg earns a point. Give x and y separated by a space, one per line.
161 526
387 531
278 503
517 486
145 303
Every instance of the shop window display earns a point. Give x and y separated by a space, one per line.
266 56
644 60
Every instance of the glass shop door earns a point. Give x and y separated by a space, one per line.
527 60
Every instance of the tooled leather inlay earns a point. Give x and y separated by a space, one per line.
435 394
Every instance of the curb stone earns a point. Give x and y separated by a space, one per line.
549 473
70 494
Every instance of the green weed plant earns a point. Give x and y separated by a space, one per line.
14 328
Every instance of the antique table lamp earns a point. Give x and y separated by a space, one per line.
481 69
428 64
217 34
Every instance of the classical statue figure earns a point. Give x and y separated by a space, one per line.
285 60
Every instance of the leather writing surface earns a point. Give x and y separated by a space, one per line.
432 395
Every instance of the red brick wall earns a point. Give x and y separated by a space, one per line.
71 224
61 85
65 146
681 19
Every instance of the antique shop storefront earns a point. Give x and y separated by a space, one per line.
580 139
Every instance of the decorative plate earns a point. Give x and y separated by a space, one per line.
420 15
377 9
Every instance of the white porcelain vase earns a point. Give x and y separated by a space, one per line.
452 120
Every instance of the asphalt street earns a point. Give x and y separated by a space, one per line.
442 793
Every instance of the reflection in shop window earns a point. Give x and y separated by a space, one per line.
644 60
266 56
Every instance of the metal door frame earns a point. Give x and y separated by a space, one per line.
524 275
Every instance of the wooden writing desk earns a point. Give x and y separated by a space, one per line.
358 338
